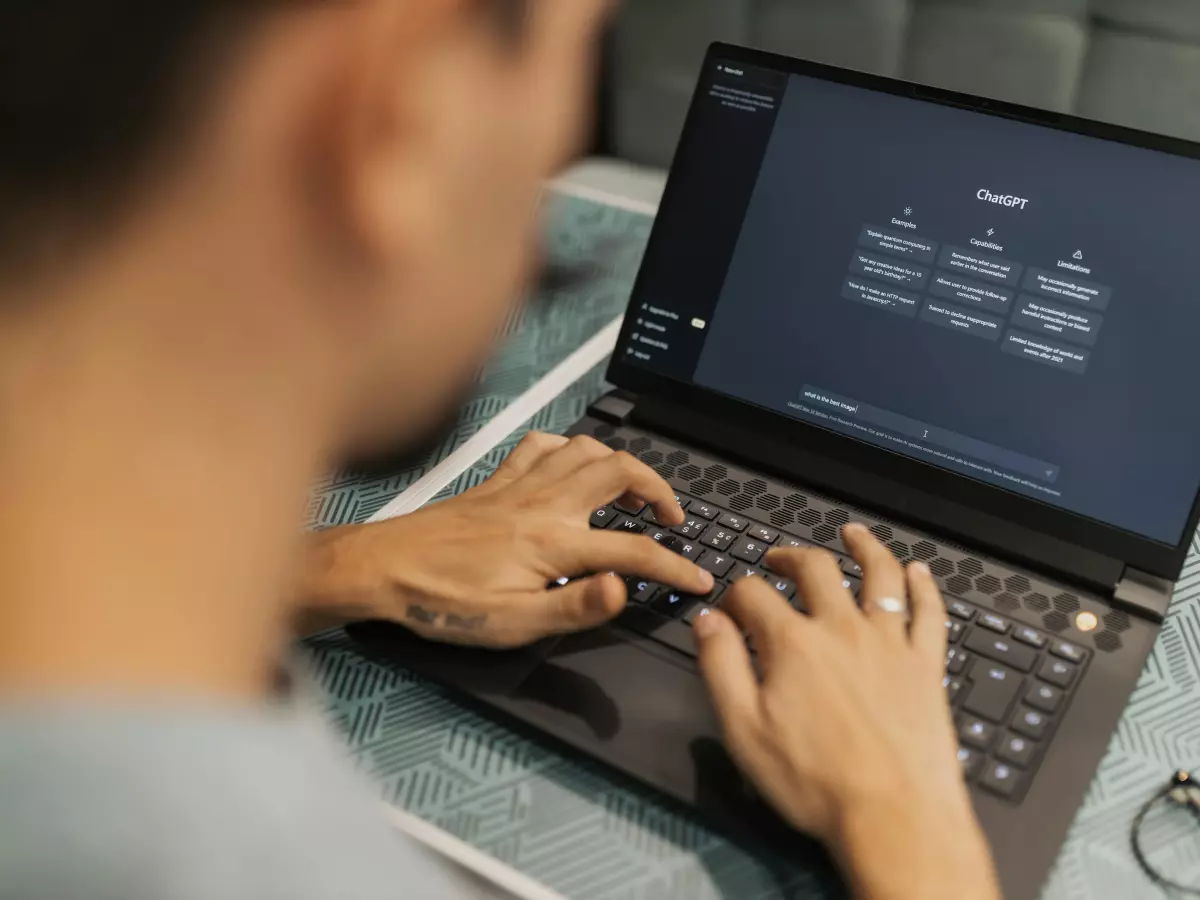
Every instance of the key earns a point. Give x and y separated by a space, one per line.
1017 750
703 511
602 518
713 597
700 609
850 567
745 572
1057 672
960 610
729 520
763 534
853 585
660 534
717 563
688 550
719 538
1069 652
1001 649
954 631
1030 723
993 622
976 733
970 760
953 688
956 660
692 528
632 507
640 590
993 690
784 586
1001 779
1029 636
791 543
748 550
1043 697
633 526
672 603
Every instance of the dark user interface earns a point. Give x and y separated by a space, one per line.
1006 301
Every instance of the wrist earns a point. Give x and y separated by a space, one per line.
903 845
339 583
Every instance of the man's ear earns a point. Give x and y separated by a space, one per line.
378 112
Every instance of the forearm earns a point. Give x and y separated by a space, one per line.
917 851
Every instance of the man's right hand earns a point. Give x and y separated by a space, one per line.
848 733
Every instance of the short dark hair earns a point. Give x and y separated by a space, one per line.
91 90
88 89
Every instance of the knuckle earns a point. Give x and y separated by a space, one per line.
589 445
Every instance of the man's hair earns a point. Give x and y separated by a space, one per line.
89 90
92 90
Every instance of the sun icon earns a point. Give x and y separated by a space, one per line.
908 210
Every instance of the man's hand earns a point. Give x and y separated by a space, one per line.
475 569
848 732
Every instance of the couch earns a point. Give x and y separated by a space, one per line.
1132 62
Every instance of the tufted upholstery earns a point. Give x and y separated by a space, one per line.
1134 62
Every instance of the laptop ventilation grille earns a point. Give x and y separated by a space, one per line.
819 520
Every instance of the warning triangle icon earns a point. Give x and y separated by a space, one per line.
1079 254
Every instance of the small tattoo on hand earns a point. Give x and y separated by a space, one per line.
460 624
424 616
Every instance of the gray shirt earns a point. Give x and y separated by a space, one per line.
137 803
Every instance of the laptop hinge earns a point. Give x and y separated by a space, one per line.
614 408
1142 595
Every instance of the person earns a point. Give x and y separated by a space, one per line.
240 239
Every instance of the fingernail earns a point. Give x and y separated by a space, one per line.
706 579
706 624
921 568
854 528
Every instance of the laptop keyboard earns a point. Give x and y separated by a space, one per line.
1008 684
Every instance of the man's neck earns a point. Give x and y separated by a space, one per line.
155 455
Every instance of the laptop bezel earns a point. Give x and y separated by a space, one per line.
919 478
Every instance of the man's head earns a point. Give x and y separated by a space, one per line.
368 167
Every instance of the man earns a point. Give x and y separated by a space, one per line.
239 238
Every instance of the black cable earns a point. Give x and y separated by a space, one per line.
1179 779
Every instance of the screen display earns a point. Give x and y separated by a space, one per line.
1007 301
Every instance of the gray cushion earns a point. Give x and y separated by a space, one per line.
668 38
867 35
1143 83
1076 8
1022 58
1176 19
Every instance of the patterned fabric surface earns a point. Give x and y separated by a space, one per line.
586 831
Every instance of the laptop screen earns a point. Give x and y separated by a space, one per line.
1004 300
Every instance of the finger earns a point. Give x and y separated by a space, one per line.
928 614
605 480
729 675
568 459
762 613
885 587
531 450
581 605
819 582
629 554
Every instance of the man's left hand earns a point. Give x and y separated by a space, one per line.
476 569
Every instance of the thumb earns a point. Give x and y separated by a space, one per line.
580 605
729 675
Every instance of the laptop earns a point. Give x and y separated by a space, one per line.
965 323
